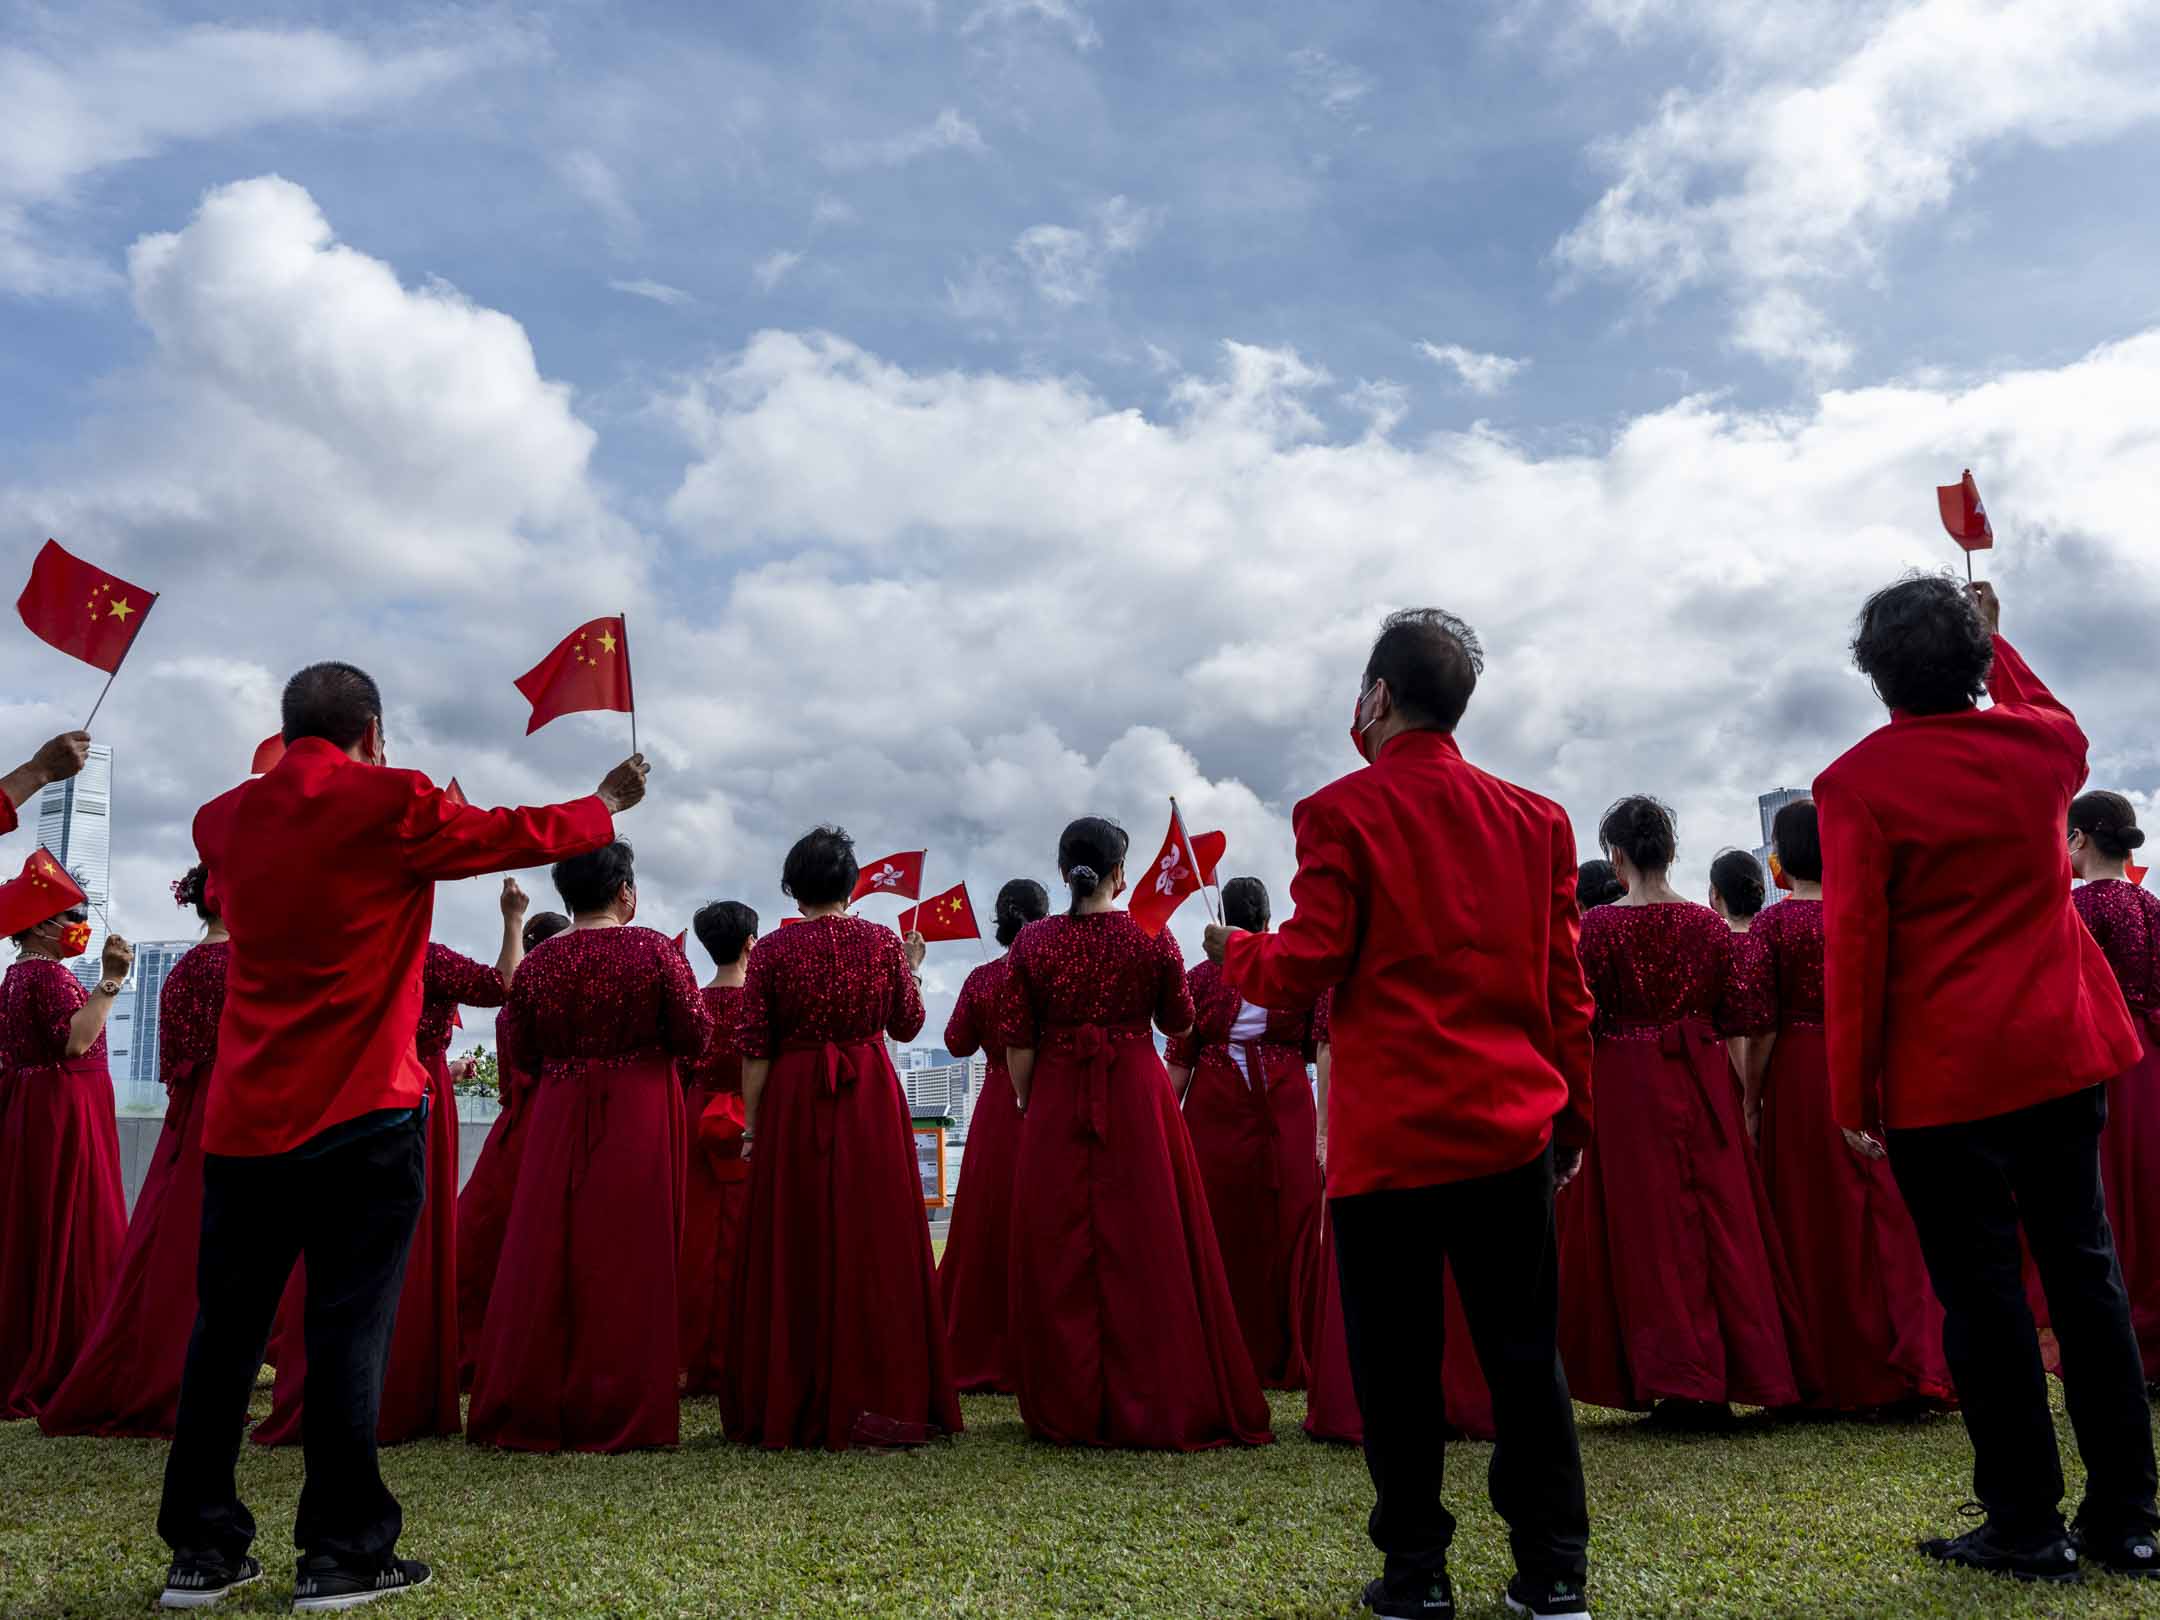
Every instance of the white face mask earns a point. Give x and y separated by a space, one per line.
1358 728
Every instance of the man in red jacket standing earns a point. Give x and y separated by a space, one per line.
1439 904
315 1138
1971 1022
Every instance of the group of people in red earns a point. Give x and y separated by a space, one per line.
1855 1151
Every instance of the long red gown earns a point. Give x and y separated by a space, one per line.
420 1387
716 1190
974 1273
63 1215
1673 1282
483 1206
2126 922
1254 1129
127 1380
579 1350
1872 1317
838 1338
1123 1331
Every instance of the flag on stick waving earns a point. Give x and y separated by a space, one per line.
896 874
1964 517
941 917
1183 867
589 669
84 611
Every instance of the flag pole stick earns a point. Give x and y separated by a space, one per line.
115 672
1207 900
628 682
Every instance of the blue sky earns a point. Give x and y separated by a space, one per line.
998 409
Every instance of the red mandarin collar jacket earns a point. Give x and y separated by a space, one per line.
325 873
1441 901
1959 982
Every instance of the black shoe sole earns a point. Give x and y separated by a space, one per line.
181 1598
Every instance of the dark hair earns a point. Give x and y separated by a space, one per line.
1019 903
820 870
1797 839
1245 904
192 888
1597 884
1738 878
332 701
725 928
1431 662
1642 829
589 883
1924 645
2110 821
544 925
1088 851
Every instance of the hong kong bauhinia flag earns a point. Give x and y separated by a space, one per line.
895 874
79 608
942 916
1158 891
1963 515
590 669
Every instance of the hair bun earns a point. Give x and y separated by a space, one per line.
1086 875
2131 837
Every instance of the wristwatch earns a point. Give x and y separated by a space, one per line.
108 987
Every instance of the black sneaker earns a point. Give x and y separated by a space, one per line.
1427 1597
196 1583
2050 1557
1546 1597
2130 1553
324 1585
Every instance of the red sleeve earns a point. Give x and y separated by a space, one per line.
688 1019
1569 1008
8 823
1323 1019
1184 1050
907 1014
449 975
963 1034
2012 684
1856 952
55 1000
1173 996
1316 948
513 1043
445 839
1015 1016
753 1017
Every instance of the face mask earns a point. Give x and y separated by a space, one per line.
1357 730
74 939
1777 873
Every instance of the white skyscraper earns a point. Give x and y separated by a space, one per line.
75 824
1770 804
135 1074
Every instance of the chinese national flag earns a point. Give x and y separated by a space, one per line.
40 893
589 670
267 753
454 793
1162 888
895 874
1963 515
682 944
942 916
79 608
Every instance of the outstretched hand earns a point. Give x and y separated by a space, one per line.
1989 604
64 756
514 903
1216 941
624 786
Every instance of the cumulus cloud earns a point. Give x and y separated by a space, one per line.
1827 127
1483 374
1068 264
948 132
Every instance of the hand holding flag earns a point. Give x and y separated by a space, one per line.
589 669
1964 517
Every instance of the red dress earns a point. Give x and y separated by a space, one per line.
1123 1331
716 1188
127 1380
1673 1282
2126 922
579 1349
838 1338
483 1207
973 1275
63 1216
420 1386
1871 1315
1254 1129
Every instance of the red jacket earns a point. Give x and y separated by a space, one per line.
325 872
1442 901
1958 981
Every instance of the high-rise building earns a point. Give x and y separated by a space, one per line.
75 825
941 1086
1769 804
133 1051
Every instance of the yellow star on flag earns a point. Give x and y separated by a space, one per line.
607 641
119 609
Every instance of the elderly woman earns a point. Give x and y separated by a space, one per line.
838 1339
579 1348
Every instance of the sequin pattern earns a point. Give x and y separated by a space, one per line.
1216 1005
719 1066
1656 965
1791 936
2125 919
188 1011
1102 968
976 1014
603 993
1323 1019
836 978
448 981
38 1000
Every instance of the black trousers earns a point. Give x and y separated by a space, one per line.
351 1211
1970 1187
1496 1235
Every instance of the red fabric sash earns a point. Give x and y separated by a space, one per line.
1090 1044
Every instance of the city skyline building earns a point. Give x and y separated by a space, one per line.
135 1067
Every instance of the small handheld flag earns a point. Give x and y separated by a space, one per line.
941 917
1184 866
84 611
40 892
455 794
1964 517
589 669
896 874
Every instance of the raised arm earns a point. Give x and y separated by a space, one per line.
86 1022
58 760
445 839
1856 953
1315 949
512 952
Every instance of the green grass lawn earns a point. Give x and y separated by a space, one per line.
1801 1520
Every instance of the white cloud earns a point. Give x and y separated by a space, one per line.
829 210
1067 15
595 183
948 132
1483 374
1068 264
774 268
1827 127
1332 86
658 291
87 97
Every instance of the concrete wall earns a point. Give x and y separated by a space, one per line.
139 1134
